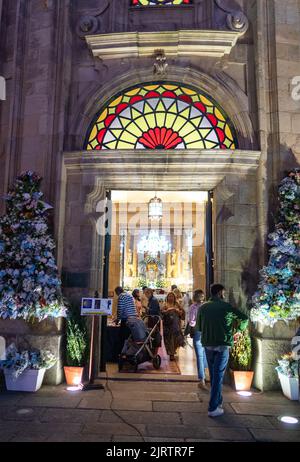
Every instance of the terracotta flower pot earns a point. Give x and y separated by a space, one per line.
242 380
73 375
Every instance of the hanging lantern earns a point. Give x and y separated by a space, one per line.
155 209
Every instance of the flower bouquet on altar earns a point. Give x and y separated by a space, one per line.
24 370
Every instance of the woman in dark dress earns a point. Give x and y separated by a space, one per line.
172 313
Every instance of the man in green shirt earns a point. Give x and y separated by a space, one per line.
215 322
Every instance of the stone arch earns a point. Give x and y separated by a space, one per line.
222 87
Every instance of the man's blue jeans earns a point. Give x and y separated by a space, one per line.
200 355
217 363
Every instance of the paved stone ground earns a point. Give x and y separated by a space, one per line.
143 411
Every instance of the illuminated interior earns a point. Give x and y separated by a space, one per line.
161 254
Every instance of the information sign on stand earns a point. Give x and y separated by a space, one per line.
96 306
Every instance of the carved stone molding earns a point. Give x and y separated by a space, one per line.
163 169
175 44
236 20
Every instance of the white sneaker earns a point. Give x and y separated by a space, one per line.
219 411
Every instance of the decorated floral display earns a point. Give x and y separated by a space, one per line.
29 284
278 297
17 361
288 366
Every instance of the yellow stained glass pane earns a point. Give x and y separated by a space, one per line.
160 117
233 146
116 132
187 91
147 108
124 122
151 120
173 108
133 92
192 137
135 114
134 130
142 124
128 137
197 121
170 120
204 132
188 128
186 113
151 87
94 133
103 115
124 145
179 122
196 145
210 145
219 115
111 145
228 132
94 143
116 101
160 107
89 148
170 87
206 101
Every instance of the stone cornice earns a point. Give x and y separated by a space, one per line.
182 43
186 169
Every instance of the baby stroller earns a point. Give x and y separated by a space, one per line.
142 345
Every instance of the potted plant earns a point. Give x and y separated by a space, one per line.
24 370
240 361
288 374
77 349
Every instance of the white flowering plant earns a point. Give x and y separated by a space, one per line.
20 360
278 295
30 287
288 366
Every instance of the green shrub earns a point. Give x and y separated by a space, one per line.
77 343
241 353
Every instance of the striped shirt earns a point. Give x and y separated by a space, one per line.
126 307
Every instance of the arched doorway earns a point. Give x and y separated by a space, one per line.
158 136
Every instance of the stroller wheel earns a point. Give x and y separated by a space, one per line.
156 361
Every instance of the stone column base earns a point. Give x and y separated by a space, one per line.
269 345
46 335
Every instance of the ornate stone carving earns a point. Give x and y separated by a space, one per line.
160 66
236 20
87 25
90 23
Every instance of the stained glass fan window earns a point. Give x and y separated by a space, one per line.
161 116
159 2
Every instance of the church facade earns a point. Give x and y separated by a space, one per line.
152 95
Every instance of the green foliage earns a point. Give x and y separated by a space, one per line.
161 283
241 353
77 343
142 282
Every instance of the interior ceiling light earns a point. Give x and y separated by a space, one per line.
155 209
153 244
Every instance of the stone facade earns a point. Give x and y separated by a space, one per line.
56 83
